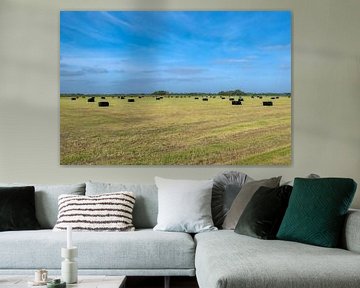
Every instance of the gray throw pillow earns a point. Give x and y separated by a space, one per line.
46 200
242 199
310 176
226 187
184 205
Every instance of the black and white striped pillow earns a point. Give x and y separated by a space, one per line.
105 212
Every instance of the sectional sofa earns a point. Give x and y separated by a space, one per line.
219 259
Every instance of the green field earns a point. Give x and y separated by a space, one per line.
181 131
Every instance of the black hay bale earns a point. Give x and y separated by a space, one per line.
131 100
231 99
236 103
158 98
91 99
252 97
103 104
205 99
122 97
277 97
222 97
260 97
103 97
267 103
139 97
273 98
196 98
241 99
73 98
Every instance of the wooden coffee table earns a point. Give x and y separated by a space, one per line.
83 282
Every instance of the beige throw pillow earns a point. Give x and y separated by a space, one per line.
243 198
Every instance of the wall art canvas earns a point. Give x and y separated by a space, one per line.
175 88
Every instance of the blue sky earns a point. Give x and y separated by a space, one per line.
182 51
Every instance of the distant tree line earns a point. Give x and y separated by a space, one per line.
236 92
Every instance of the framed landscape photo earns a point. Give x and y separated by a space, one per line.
175 87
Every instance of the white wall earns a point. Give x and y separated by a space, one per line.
326 90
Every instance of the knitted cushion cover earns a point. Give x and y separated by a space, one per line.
105 212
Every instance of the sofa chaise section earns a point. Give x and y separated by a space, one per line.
142 253
225 259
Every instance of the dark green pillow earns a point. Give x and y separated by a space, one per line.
17 208
264 212
316 211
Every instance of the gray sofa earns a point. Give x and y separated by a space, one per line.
218 259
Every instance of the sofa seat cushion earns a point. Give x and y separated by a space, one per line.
142 249
225 259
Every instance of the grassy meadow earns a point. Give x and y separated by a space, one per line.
181 131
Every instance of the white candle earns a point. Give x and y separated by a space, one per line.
69 237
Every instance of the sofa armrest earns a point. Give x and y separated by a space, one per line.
351 233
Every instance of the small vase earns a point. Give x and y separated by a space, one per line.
69 271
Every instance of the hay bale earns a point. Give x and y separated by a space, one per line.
131 100
103 104
103 97
273 98
260 97
267 103
196 98
236 103
73 98
231 99
205 99
222 97
91 99
277 97
241 99
122 97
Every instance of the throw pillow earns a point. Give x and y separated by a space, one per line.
263 215
106 212
226 187
317 209
243 198
311 176
17 209
184 205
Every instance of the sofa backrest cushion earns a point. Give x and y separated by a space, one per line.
46 200
146 204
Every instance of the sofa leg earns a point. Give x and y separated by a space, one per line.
167 282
